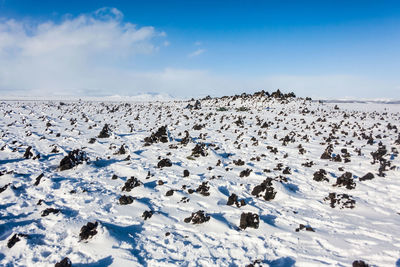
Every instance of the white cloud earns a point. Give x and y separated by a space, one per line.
197 53
46 57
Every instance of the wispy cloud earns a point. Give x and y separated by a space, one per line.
47 56
196 53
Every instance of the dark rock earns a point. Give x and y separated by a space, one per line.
28 154
245 173
203 189
160 136
233 199
47 211
340 200
186 173
74 158
38 179
126 200
2 189
302 227
360 263
164 163
320 176
105 132
147 214
238 162
265 186
169 193
131 183
200 150
368 176
14 239
197 217
114 177
249 220
66 262
88 231
346 180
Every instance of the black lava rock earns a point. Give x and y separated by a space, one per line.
88 231
249 220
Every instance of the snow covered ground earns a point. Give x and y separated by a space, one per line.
232 145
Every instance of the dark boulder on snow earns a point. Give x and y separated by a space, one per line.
105 132
88 230
340 200
266 187
368 176
66 262
160 136
131 183
126 200
360 263
346 180
47 211
249 219
198 217
164 163
73 158
14 239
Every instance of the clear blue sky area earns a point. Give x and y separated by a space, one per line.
318 48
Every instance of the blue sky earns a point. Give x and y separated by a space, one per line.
326 49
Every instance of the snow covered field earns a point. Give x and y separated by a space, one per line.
314 183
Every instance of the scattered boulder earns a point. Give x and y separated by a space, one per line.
368 176
47 211
245 173
233 199
126 200
88 231
160 136
197 217
320 176
105 132
14 239
164 163
28 153
249 219
131 183
73 159
203 189
360 263
265 186
147 214
302 227
38 179
346 179
340 200
66 262
186 173
200 150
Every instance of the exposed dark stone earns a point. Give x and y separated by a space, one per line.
47 211
74 158
368 176
164 163
160 136
105 132
302 227
131 183
169 193
340 200
28 154
266 186
249 220
14 239
233 199
66 262
92 140
238 162
38 179
2 189
114 177
360 263
186 173
245 173
203 189
320 176
200 150
147 214
121 150
88 231
197 217
126 200
346 179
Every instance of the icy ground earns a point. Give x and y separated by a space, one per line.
232 145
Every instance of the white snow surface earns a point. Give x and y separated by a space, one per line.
369 232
